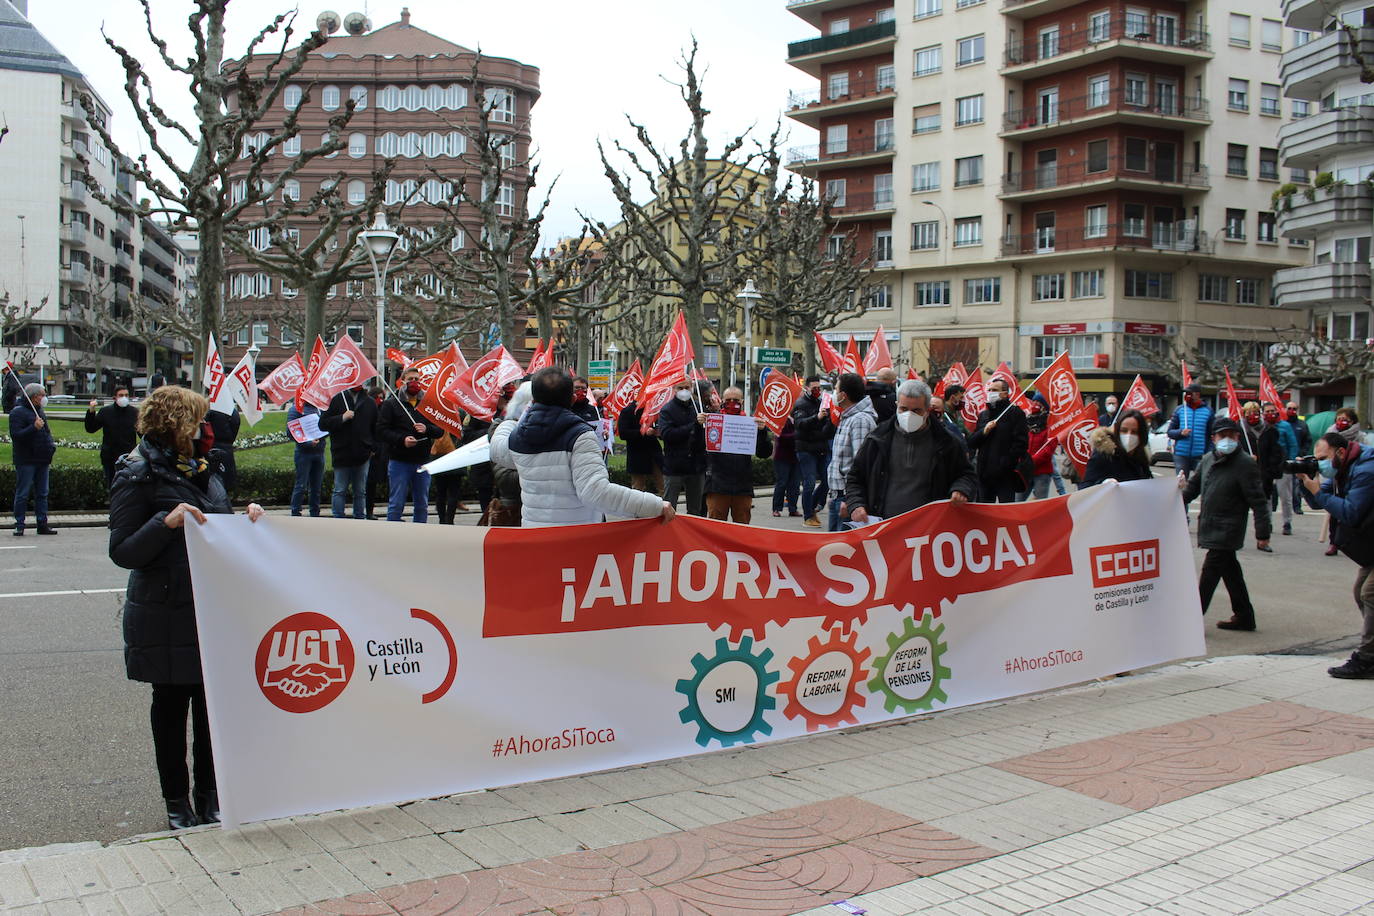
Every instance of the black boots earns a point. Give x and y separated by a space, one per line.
179 813
207 806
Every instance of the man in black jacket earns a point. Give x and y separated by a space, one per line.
115 422
349 421
908 461
1001 438
882 393
226 429
814 432
408 437
730 477
684 449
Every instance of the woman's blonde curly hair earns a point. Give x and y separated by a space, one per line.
171 415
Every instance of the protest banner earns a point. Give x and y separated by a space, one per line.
443 660
464 456
306 428
731 434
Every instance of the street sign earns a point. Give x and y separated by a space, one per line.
599 373
772 356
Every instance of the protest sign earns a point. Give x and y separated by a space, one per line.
305 427
447 659
731 434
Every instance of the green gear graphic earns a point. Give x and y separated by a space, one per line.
878 683
762 701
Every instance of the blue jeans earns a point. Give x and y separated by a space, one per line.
836 522
343 477
407 481
786 477
30 478
1186 463
309 476
812 469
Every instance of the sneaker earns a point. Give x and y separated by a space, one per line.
1287 528
812 522
1266 548
19 532
1354 668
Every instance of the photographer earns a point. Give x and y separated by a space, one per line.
1343 485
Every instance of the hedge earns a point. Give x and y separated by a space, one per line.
73 488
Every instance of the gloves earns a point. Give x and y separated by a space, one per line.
522 398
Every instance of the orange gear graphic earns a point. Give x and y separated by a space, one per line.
857 675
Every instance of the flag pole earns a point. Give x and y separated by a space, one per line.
14 376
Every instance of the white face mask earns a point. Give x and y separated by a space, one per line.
1111 407
910 421
121 402
684 395
1129 441
1227 446
994 396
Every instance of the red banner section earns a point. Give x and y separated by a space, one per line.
750 577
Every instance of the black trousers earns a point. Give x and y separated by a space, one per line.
1224 566
170 705
446 490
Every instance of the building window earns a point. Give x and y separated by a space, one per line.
241 337
1236 154
925 8
1271 35
355 331
1269 163
1348 326
1098 151
932 292
1133 220
1099 26
887 77
882 191
1247 291
925 176
836 139
1240 30
927 61
1046 287
968 171
358 95
883 134
838 26
1146 351
1346 251
1301 109
291 146
1087 284
1269 100
1137 154
925 235
968 110
882 246
1299 176
291 97
1082 348
965 4
357 145
1211 288
970 51
837 86
357 192
1149 284
835 191
261 335
1235 224
983 291
505 200
1137 90
925 119
968 231
1238 95
329 98
238 191
1099 91
880 296
260 238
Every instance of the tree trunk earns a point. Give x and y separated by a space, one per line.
808 354
1362 393
209 290
583 323
150 357
315 296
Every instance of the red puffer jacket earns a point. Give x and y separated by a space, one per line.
1041 447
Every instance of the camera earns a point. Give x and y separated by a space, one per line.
1306 465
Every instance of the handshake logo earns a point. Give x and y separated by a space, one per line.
304 662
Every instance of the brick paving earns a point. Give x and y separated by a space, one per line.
1236 785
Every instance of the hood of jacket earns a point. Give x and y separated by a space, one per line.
1102 441
547 428
864 406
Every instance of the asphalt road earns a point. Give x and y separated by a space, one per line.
75 752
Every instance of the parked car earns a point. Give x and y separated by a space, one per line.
1161 448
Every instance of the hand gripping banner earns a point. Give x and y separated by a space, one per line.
447 659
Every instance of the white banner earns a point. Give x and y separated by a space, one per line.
344 669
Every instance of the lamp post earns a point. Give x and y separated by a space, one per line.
747 297
40 355
613 352
944 225
732 342
379 241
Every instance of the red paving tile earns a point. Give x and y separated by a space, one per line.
672 858
841 871
652 902
352 905
756 889
924 850
571 878
477 893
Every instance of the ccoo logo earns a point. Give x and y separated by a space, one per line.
304 662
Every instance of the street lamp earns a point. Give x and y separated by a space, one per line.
612 351
732 342
747 297
379 241
40 355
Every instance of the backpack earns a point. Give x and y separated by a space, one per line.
1065 466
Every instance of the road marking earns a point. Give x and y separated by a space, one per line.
21 547
72 591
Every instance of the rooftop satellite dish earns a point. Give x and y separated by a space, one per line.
328 22
356 23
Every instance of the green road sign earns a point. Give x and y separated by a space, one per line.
599 372
772 356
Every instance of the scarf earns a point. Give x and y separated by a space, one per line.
191 467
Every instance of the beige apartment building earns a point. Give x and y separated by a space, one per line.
1039 176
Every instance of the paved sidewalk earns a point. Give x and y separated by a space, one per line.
1235 785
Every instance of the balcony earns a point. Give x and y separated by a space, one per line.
1050 180
1116 105
1306 143
1181 237
73 192
73 274
862 205
1140 40
811 10
155 280
1310 71
1340 283
809 55
850 152
73 234
1335 207
123 258
1306 14
809 106
1031 9
72 110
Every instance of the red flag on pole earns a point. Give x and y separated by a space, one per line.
1187 379
1003 371
398 357
831 361
852 362
1074 434
975 398
283 382
435 403
670 363
1139 398
1268 393
626 390
317 354
1059 385
911 374
214 371
429 366
344 368
955 375
779 393
477 388
1232 400
542 358
652 406
878 356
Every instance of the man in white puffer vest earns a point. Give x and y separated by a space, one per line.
563 479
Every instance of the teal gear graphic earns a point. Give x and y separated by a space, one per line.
878 685
757 724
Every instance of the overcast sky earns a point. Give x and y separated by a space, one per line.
598 62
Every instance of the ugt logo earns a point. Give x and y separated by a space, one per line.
304 662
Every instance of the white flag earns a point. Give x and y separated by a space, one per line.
214 380
241 387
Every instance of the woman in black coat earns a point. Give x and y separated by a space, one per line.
1119 452
156 488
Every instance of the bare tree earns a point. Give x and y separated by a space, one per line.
15 316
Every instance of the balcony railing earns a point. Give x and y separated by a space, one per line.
1064 175
73 234
862 202
842 40
1048 47
857 90
74 190
848 149
1160 237
1114 101
74 273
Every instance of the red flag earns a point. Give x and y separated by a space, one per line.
317 354
542 358
776 399
956 375
344 368
670 363
429 366
975 398
397 356
828 404
878 356
1187 379
911 374
1268 393
477 388
1074 433
1139 398
939 391
1059 385
435 403
1232 401
1004 372
653 406
283 382
830 360
852 363
626 390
